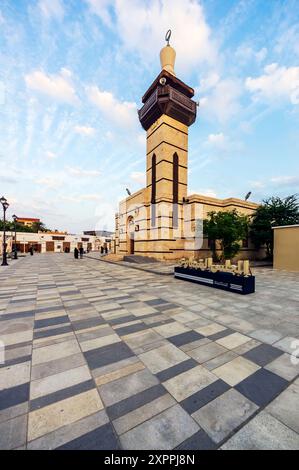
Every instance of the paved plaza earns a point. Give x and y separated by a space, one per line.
102 356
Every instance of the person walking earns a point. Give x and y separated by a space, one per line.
76 253
31 250
81 252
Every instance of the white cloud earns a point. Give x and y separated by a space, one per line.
141 139
104 215
12 173
66 73
58 86
84 130
204 192
246 127
51 155
217 139
101 8
142 26
109 135
222 102
223 142
245 53
285 180
51 9
122 113
91 197
261 54
288 40
80 172
257 184
48 182
277 83
138 177
2 92
8 179
208 82
82 197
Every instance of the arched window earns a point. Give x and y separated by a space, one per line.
175 189
153 198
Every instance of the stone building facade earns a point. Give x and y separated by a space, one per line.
162 220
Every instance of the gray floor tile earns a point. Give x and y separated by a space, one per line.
136 400
13 432
222 416
207 352
199 441
263 354
70 432
165 431
204 396
286 407
123 388
264 432
284 367
107 355
262 387
287 344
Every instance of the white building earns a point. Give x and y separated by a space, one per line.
42 242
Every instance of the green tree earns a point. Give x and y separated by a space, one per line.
38 227
35 227
229 228
274 211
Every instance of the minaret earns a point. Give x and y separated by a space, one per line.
166 114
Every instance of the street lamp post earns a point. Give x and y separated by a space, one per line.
5 206
15 243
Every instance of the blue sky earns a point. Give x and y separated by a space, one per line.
72 74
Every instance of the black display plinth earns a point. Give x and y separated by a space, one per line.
219 280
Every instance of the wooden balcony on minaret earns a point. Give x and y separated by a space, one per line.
168 95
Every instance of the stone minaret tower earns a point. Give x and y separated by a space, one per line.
166 114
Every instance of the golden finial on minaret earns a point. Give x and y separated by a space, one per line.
167 55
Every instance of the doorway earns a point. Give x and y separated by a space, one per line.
49 246
130 236
132 245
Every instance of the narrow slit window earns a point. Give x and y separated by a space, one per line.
153 198
175 189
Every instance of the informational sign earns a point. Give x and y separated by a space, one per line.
220 280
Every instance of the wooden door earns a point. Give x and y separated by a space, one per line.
49 246
132 245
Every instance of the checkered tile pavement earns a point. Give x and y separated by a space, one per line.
99 356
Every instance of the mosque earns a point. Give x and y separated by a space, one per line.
162 220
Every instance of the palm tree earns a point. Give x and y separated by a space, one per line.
38 227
